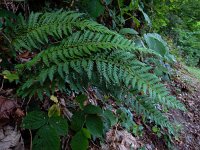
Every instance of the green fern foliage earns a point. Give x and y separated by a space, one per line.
35 32
74 53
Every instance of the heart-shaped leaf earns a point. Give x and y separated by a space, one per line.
95 125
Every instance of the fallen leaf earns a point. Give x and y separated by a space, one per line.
6 107
24 55
54 98
121 140
11 139
19 113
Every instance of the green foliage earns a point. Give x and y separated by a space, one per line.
127 12
97 54
110 117
78 120
155 42
6 52
91 109
93 7
148 107
6 25
179 21
46 138
189 46
59 124
7 15
90 121
95 125
35 120
10 76
126 118
81 99
194 71
80 140
48 130
125 31
74 53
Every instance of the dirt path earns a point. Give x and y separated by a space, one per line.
187 90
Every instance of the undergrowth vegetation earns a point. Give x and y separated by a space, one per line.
83 54
194 71
70 54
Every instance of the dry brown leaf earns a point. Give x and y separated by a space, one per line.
120 140
7 107
19 113
24 55
10 139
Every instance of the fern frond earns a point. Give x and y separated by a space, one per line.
39 27
144 105
84 45
75 53
123 72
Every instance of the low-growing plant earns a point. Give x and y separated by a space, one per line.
73 54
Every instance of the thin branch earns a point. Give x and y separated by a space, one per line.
31 138
2 85
6 37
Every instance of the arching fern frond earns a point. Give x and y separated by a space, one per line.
83 44
35 32
74 53
121 72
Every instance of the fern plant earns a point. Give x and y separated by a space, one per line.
74 53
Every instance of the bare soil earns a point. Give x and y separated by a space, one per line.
189 94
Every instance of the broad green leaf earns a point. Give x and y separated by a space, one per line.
109 115
95 125
86 133
93 7
78 120
46 139
35 120
155 42
146 17
128 31
170 57
59 124
79 141
91 109
81 99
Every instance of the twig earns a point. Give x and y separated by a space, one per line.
72 3
95 144
28 103
119 8
6 37
67 113
30 139
2 85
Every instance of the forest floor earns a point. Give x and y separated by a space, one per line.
186 87
189 94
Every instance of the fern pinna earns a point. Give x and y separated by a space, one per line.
74 53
